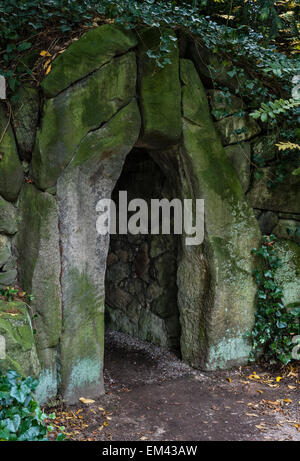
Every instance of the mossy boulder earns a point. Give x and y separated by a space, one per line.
160 97
11 171
294 217
96 48
37 244
8 217
239 156
284 197
17 345
25 116
223 103
231 233
8 273
85 106
264 149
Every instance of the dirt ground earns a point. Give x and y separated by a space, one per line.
151 395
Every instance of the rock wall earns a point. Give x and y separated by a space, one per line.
64 147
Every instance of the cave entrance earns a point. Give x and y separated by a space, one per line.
141 272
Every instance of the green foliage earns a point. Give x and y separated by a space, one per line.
21 418
271 109
11 293
23 24
275 325
240 33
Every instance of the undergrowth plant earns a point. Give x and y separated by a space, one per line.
21 418
275 325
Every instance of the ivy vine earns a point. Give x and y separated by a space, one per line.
275 325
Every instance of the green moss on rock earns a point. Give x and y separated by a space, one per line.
19 347
93 50
8 278
37 245
160 97
287 229
201 139
264 149
91 175
8 217
231 233
237 128
11 171
5 251
223 104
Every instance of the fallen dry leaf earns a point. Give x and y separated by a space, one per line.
86 401
45 53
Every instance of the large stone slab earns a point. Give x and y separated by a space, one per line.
8 217
8 278
94 49
267 220
237 128
264 149
39 265
11 172
83 107
25 115
283 197
239 156
91 176
160 97
17 349
216 319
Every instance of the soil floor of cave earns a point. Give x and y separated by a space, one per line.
152 396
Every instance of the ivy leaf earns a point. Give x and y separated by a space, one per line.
13 423
24 46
